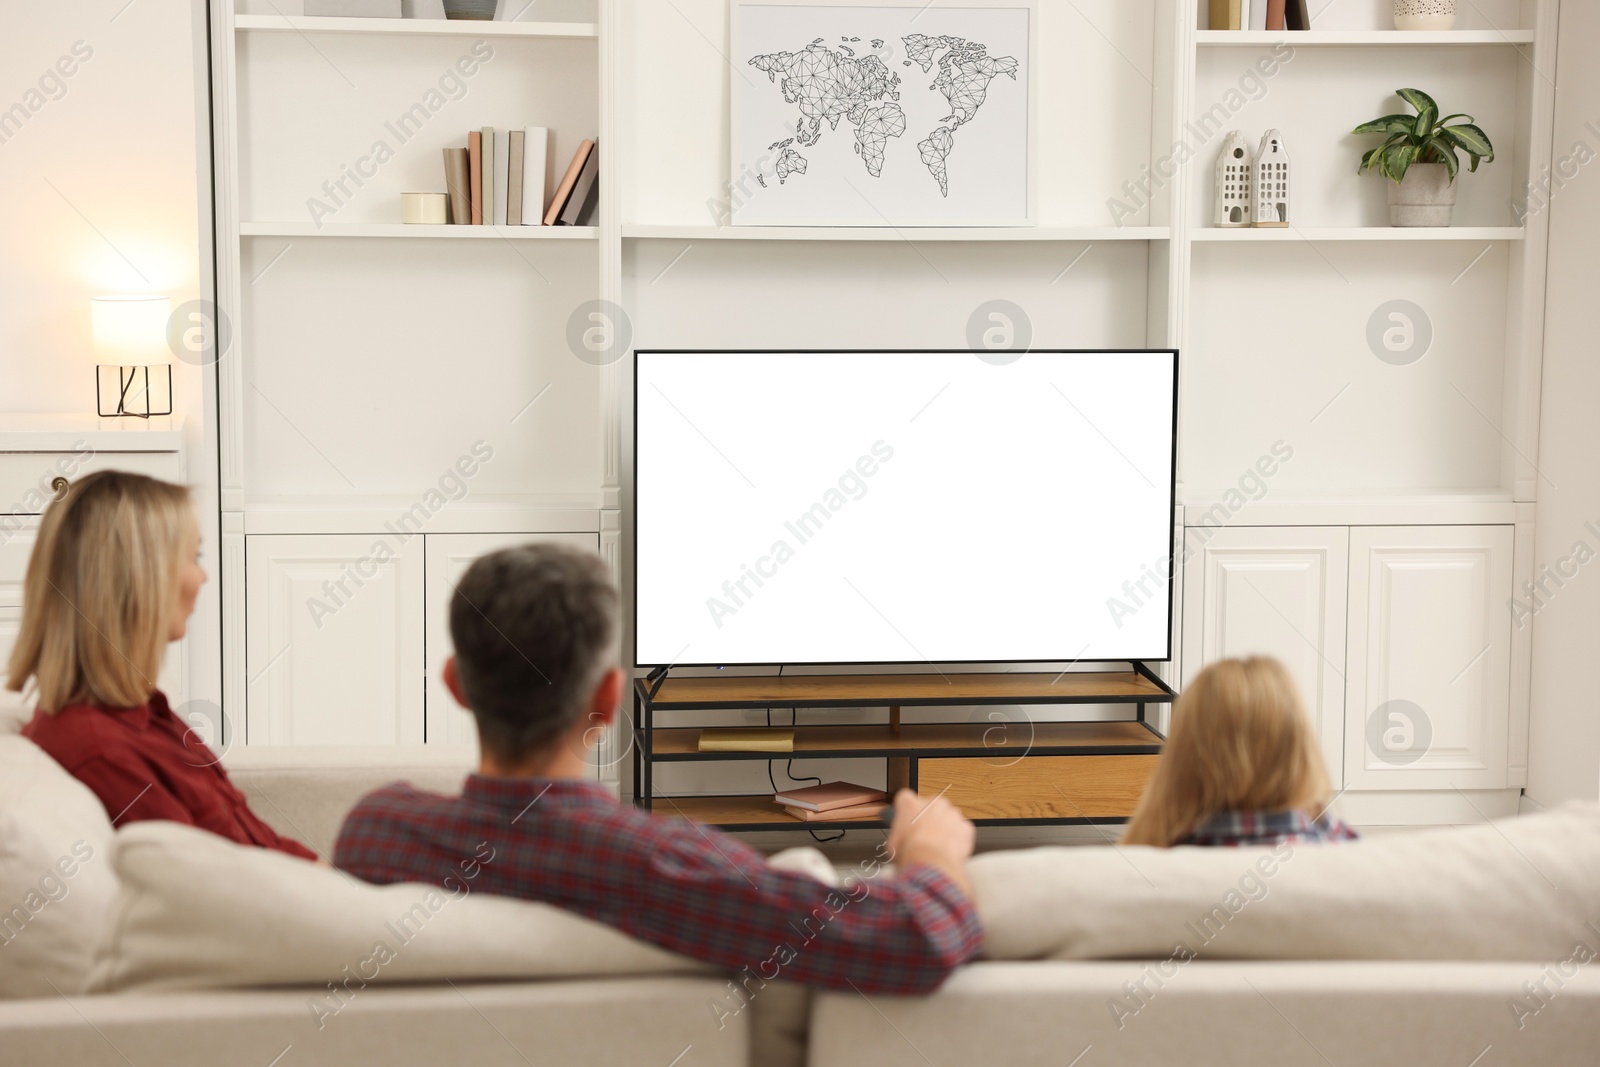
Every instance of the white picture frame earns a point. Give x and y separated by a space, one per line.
999 192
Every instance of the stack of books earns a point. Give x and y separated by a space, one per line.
498 179
832 802
1258 15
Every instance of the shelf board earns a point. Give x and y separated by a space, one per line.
1359 233
430 232
415 27
1361 38
949 739
905 690
757 812
901 233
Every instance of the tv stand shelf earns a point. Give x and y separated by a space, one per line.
1000 774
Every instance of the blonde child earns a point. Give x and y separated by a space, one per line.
1241 766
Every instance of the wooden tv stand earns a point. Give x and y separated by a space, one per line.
999 774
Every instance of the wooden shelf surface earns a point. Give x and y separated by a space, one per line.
907 690
1002 740
414 27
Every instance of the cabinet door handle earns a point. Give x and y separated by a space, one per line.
58 486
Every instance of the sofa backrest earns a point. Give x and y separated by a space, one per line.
56 878
304 792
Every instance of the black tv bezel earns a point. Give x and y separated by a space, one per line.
633 495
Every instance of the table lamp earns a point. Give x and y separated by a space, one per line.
130 340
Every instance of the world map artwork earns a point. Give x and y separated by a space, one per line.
829 83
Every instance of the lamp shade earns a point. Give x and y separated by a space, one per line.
130 330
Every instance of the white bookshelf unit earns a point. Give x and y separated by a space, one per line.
369 356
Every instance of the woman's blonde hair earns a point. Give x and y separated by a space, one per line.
1240 741
98 597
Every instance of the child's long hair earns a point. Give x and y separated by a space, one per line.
97 600
1240 741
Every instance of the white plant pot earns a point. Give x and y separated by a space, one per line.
1424 14
1424 198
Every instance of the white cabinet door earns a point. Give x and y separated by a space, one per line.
333 641
1274 591
448 557
1430 652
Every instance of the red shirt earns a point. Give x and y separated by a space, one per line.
685 887
144 763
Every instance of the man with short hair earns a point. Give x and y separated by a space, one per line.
535 630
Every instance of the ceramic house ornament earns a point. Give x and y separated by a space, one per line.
1271 194
1235 180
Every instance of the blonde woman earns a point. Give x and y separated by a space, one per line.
1240 766
112 580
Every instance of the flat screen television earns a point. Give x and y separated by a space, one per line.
894 507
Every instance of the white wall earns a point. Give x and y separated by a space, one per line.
1564 755
100 192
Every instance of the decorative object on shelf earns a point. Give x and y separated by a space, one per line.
1236 166
1419 157
1272 182
354 9
429 209
130 336
1424 14
422 9
935 128
471 10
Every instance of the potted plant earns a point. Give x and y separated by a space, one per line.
1419 157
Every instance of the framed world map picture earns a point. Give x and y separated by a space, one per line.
882 115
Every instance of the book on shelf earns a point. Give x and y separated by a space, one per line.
1296 15
854 811
475 175
831 795
455 180
558 203
502 176
759 739
1275 15
1258 14
488 176
1226 15
514 162
580 204
535 152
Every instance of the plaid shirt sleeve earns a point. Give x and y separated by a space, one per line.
674 883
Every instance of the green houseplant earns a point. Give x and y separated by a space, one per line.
1418 155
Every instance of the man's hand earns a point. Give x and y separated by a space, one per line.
931 832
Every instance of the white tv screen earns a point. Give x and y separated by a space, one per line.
832 507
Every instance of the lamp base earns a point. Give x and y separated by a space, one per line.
132 392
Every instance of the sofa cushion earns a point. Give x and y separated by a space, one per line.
198 911
1357 1013
56 879
1522 889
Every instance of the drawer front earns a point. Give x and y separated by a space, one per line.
26 478
1039 787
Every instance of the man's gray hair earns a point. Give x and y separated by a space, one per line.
535 628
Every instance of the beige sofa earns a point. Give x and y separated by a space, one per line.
167 946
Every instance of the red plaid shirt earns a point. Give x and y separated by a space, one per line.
674 883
